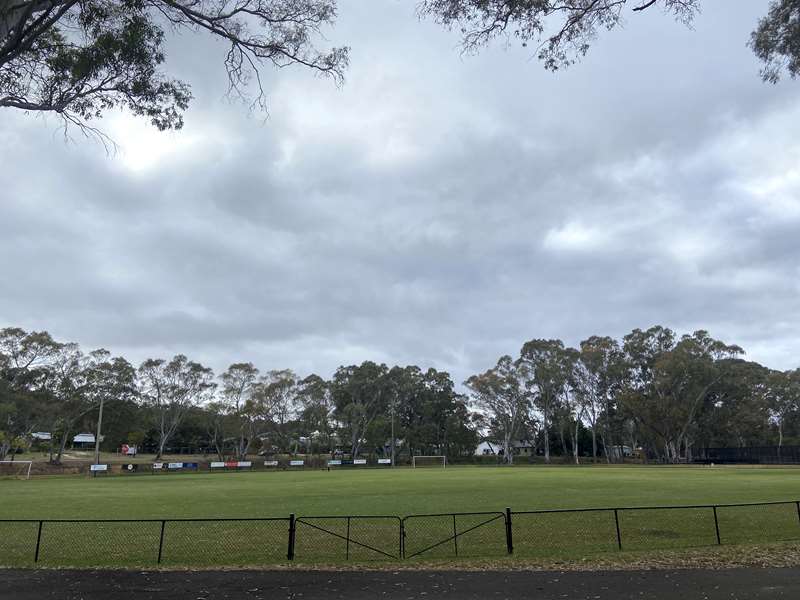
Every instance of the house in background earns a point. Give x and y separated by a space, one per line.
519 447
486 448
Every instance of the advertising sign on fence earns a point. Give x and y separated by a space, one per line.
332 463
158 466
360 461
244 464
175 465
270 463
99 467
130 468
217 465
194 466
384 461
296 463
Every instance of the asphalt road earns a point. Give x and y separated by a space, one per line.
739 584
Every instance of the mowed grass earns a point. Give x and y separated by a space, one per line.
398 492
388 492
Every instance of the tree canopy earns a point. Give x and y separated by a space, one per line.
654 392
78 59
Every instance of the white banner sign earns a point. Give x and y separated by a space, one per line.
244 464
175 465
217 465
384 461
360 461
296 463
99 467
334 462
270 463
158 465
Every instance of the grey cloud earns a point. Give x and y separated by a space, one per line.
437 209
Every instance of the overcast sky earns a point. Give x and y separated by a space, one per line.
436 209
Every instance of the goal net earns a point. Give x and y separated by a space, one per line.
21 469
428 461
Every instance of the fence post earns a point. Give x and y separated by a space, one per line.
292 529
616 523
38 541
347 555
402 538
716 525
798 509
455 535
161 541
509 534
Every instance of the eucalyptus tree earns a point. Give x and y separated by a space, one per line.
502 394
170 390
238 384
549 369
432 418
783 399
361 394
598 377
316 408
79 59
668 382
275 404
25 358
563 30
78 385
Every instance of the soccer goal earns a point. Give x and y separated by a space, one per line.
429 461
16 468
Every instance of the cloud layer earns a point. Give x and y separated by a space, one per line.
437 209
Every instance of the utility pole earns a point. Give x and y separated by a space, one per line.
97 435
393 403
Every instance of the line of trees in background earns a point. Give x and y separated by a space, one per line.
664 394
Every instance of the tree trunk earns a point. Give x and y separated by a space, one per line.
62 446
509 457
564 451
575 444
594 442
605 441
546 443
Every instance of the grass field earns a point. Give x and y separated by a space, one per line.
385 492
381 492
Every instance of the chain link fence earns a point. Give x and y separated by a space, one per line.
332 539
362 538
564 532
455 534
231 542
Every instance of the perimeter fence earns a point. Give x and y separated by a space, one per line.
361 538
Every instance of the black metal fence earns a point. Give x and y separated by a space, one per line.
230 542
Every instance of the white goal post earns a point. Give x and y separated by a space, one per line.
24 470
424 459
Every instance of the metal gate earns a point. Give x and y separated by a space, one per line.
455 534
